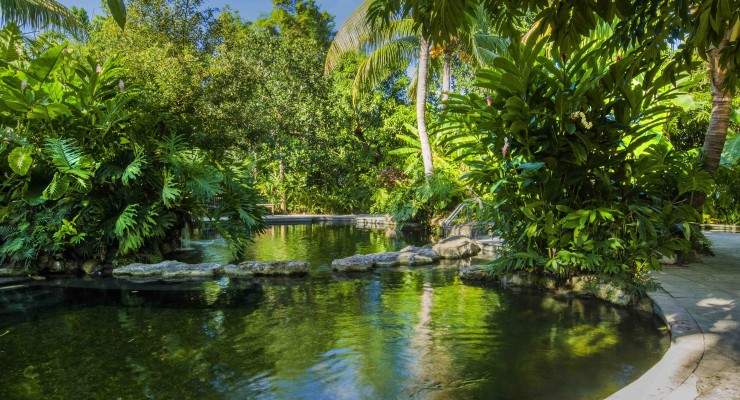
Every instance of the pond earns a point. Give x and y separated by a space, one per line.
395 333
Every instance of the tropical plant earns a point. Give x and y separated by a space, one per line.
709 29
43 14
397 33
92 176
569 150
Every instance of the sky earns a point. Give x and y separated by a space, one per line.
248 9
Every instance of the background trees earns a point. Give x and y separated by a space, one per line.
325 123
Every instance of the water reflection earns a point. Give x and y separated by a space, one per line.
396 333
399 334
318 243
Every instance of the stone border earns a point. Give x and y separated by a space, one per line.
673 376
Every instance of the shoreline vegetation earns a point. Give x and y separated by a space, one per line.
591 153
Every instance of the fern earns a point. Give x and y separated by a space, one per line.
69 159
135 168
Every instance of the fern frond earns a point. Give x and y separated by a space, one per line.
170 192
69 159
134 169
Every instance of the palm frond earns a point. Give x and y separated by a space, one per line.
349 37
39 14
380 63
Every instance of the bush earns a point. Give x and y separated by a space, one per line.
89 175
569 148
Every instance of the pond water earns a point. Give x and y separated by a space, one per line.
395 333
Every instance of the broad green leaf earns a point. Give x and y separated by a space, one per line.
20 160
118 11
42 65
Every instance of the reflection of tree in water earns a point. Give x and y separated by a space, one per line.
417 332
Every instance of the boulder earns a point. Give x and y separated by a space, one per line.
269 268
168 270
455 247
356 263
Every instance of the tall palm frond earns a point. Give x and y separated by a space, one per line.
44 14
349 36
38 14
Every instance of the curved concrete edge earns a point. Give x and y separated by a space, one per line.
673 376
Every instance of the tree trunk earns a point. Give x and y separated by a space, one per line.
714 140
446 76
281 178
421 101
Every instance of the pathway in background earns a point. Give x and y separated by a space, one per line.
710 291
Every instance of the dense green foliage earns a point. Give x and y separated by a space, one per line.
578 177
92 175
587 156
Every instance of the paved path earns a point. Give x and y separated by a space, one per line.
710 292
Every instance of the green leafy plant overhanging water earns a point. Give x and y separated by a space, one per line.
567 150
88 175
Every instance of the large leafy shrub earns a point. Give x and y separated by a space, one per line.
568 148
89 175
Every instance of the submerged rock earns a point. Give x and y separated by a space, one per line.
456 247
265 268
168 270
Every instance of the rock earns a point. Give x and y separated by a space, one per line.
168 270
411 259
12 271
456 247
410 255
612 294
91 266
271 268
476 273
490 247
356 263
672 260
425 251
390 259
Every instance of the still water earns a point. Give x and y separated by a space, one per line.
392 334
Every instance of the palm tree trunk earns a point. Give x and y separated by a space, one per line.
421 102
281 179
714 140
446 76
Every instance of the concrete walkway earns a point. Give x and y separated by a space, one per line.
700 304
710 292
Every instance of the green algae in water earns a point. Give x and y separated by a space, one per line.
417 333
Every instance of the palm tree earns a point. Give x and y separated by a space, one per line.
395 34
43 14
